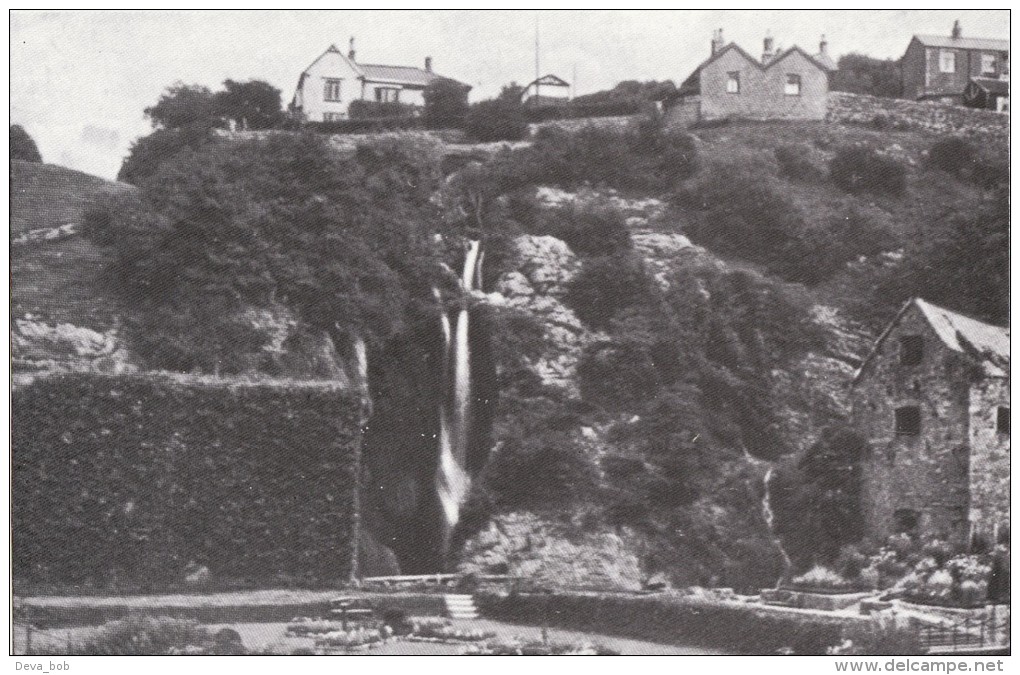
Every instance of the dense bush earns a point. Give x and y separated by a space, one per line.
795 163
858 169
952 155
608 285
366 125
860 74
148 153
589 227
23 147
577 110
673 620
146 475
496 120
446 104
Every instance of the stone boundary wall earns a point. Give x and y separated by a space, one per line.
929 116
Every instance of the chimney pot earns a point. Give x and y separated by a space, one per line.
957 30
428 64
768 50
823 46
350 49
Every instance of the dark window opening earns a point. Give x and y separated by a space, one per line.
906 521
908 421
911 350
1002 420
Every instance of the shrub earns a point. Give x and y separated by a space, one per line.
859 169
878 638
145 636
546 470
360 110
148 153
496 120
608 285
396 618
589 227
821 577
795 163
22 145
446 104
952 155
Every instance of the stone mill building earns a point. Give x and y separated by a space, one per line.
932 399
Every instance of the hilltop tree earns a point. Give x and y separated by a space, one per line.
860 74
446 104
252 105
22 145
183 105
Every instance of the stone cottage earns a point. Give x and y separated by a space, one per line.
940 67
932 399
783 84
327 87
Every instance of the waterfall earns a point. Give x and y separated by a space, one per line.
770 516
452 480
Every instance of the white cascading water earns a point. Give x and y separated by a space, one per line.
452 480
770 519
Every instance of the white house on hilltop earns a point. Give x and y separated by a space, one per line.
327 87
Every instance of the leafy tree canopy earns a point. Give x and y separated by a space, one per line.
22 145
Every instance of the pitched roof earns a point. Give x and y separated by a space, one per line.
409 75
982 341
826 61
992 86
950 42
692 85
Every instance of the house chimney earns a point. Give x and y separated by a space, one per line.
717 41
350 49
823 47
768 50
428 64
957 31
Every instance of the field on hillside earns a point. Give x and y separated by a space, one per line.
56 281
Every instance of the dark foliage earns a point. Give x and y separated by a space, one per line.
540 472
575 110
148 153
962 159
146 475
362 110
144 636
962 263
589 228
609 285
818 504
859 169
366 125
446 104
183 105
22 145
795 163
252 105
629 91
496 120
860 74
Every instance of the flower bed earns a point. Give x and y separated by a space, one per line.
442 630
518 648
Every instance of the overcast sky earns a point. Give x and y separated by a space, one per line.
80 80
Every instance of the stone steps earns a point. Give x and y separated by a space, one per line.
460 606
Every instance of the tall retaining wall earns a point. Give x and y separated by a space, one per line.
133 480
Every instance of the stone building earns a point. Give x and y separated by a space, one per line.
327 87
783 84
940 67
933 401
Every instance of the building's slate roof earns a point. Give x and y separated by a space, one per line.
949 42
826 61
406 75
987 343
992 86
692 85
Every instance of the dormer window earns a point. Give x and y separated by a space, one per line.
733 82
911 350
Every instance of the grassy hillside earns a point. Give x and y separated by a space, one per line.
56 281
46 195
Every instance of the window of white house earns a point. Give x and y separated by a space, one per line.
988 64
733 82
332 90
332 117
947 61
387 95
793 85
908 421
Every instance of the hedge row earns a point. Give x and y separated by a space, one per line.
367 125
672 619
535 114
132 479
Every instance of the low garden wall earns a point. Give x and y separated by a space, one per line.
140 481
674 619
895 113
